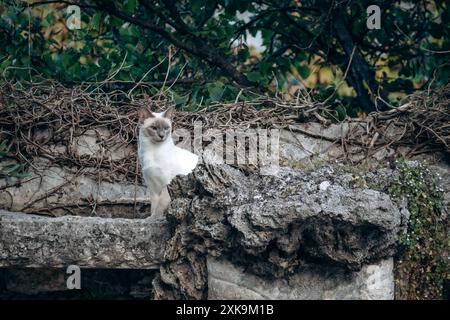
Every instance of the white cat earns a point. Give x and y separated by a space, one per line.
159 158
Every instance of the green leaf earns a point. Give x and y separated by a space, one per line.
215 91
48 21
96 21
254 76
303 71
180 100
341 113
129 6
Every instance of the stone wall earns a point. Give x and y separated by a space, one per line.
316 229
372 282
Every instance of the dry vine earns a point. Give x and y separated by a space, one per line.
34 116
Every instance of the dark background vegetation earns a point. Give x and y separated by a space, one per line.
321 47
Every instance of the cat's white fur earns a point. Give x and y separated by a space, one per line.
160 163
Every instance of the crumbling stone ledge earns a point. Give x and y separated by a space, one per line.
276 226
28 240
295 223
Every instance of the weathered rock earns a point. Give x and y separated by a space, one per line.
278 225
36 241
309 143
290 214
376 281
185 278
275 225
59 191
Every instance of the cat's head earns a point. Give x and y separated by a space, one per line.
156 126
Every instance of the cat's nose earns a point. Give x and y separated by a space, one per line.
161 134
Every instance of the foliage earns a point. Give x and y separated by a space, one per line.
423 261
305 45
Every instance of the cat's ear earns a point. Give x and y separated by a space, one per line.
168 113
144 113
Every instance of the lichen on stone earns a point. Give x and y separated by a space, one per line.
423 261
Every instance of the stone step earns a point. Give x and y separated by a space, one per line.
34 241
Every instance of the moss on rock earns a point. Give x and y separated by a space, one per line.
422 262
